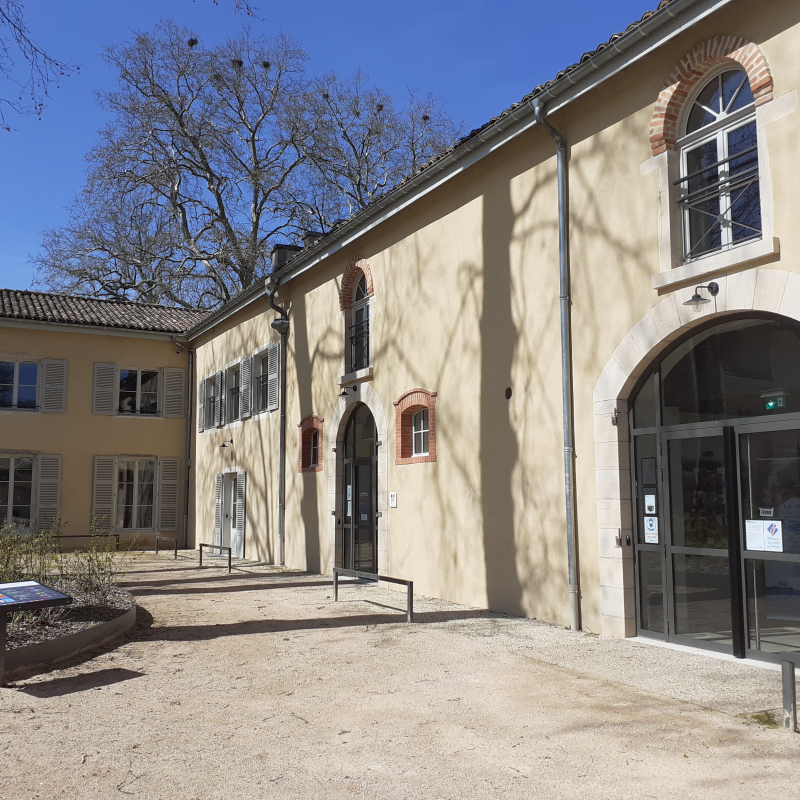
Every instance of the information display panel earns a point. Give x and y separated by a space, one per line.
28 596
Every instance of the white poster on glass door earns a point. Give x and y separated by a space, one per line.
773 537
651 530
754 534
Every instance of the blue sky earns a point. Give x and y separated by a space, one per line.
478 56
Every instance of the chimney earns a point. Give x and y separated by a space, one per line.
281 253
310 238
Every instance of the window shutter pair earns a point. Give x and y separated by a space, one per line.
273 362
48 490
104 487
54 386
172 385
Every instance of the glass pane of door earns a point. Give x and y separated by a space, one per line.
698 543
364 526
770 476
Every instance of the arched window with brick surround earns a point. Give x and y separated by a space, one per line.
415 431
705 123
310 459
355 297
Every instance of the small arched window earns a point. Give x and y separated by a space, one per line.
310 457
719 167
359 327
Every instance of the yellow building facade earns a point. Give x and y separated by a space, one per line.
617 256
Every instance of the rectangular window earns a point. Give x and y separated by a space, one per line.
211 401
233 394
315 449
135 493
16 490
18 384
138 391
263 392
421 433
359 339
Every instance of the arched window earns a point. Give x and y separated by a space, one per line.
415 429
719 166
310 456
359 327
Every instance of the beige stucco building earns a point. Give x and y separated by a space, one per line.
430 355
93 415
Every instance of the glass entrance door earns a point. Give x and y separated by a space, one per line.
696 540
360 487
769 466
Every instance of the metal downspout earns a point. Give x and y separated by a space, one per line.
566 364
282 326
188 462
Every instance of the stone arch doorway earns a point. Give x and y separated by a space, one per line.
358 461
745 294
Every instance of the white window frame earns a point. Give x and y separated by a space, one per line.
424 415
159 390
231 370
260 355
314 448
210 389
716 131
136 527
15 391
7 520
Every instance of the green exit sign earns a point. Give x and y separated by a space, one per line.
775 402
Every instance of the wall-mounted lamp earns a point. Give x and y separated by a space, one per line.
227 442
343 393
698 301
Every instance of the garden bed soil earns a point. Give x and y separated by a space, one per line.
76 617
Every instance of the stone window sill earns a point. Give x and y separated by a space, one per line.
359 376
747 256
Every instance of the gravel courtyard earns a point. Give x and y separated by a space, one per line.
258 685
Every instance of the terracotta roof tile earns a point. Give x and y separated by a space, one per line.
74 310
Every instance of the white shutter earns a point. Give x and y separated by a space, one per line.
103 492
54 386
104 389
201 406
174 392
245 390
48 490
237 545
219 387
218 511
273 352
169 471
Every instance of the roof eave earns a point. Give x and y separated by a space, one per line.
639 41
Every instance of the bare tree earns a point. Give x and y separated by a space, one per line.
362 143
213 154
39 69
201 146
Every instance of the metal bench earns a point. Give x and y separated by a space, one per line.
215 547
789 662
168 539
370 576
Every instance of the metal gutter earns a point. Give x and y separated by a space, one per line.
567 401
137 333
633 45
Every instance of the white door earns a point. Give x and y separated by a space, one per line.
228 508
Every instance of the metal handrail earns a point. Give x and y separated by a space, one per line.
215 547
371 576
168 539
714 189
716 165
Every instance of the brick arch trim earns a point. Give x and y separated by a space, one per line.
693 67
352 275
307 427
405 407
